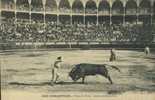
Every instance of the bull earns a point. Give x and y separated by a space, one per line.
85 69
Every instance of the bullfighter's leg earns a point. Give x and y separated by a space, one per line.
57 76
52 80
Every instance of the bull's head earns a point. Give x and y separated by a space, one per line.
75 73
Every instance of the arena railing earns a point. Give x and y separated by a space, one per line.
70 44
75 42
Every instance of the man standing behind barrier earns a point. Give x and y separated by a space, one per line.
55 70
147 50
112 55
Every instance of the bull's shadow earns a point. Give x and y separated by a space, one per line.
44 83
69 83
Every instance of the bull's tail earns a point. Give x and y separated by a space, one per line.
114 67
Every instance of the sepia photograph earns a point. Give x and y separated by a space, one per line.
77 49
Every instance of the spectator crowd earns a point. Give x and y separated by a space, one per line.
51 31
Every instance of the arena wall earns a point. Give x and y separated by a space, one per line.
140 9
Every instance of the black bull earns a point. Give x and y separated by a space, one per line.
84 69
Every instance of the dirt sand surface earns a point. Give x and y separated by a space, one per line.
31 72
24 95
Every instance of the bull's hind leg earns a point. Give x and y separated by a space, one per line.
109 78
106 75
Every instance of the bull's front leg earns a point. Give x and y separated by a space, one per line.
83 79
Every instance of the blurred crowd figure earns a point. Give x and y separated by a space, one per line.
147 50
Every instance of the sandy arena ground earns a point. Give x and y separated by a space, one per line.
31 72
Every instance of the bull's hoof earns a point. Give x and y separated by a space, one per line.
84 83
111 83
52 83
